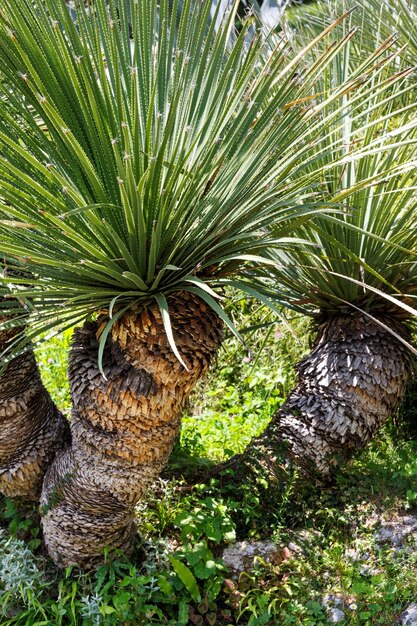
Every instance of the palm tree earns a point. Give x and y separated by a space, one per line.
32 429
151 158
359 292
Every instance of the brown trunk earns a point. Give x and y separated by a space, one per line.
32 429
354 378
123 428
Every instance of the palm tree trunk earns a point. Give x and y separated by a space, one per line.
123 428
354 378
32 429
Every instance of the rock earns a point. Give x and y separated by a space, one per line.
335 616
242 555
389 535
352 555
409 616
330 600
294 547
307 536
367 570
397 531
327 600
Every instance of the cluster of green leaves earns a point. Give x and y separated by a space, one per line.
139 152
366 258
169 587
52 358
376 20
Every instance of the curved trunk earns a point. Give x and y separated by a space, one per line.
353 379
32 429
123 427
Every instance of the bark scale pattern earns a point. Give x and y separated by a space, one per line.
123 427
354 378
32 430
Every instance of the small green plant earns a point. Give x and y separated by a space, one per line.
22 522
21 581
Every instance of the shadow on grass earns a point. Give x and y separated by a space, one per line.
381 477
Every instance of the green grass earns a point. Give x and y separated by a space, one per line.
52 357
242 392
177 575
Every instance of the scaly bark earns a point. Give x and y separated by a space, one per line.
32 429
354 378
123 428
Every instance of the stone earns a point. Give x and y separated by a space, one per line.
329 600
367 570
352 555
335 616
242 555
294 547
409 616
396 532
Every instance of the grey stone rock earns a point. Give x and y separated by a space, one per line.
389 535
330 600
294 547
335 616
409 616
367 570
352 555
241 556
327 600
397 531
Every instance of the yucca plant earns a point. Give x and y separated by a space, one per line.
150 158
359 290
